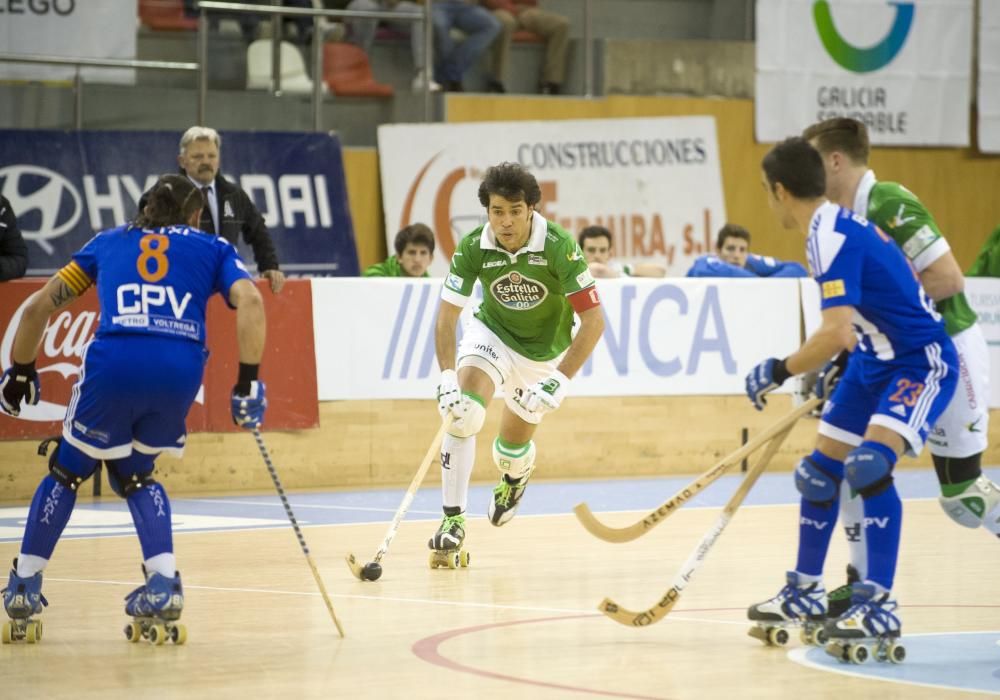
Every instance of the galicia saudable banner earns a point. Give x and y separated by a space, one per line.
901 67
65 186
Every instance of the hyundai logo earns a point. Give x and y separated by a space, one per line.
30 188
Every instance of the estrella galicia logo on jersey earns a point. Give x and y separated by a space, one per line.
833 288
517 291
863 60
47 204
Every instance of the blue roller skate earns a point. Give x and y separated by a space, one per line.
798 604
868 629
155 608
23 598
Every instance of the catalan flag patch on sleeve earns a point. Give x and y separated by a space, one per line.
75 278
833 288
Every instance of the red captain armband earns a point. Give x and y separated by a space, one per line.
584 299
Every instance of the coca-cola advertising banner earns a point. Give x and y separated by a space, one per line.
64 186
288 367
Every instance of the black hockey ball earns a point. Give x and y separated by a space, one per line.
371 571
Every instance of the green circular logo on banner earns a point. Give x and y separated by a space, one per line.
863 60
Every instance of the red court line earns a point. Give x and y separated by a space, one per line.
427 650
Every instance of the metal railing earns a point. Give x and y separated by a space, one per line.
79 63
277 13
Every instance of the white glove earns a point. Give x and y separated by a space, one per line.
545 395
449 396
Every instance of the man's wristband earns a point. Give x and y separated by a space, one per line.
248 374
25 370
780 373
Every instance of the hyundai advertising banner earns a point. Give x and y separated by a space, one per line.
375 337
65 186
901 67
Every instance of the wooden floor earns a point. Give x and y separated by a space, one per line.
521 621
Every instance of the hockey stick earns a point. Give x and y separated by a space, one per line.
684 576
626 534
295 526
373 569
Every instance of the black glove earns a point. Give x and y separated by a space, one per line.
19 383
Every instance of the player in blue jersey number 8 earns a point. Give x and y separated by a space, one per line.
899 378
138 378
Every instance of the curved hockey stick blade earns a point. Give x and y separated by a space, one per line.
636 530
355 565
630 618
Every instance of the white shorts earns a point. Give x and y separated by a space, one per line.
962 429
510 371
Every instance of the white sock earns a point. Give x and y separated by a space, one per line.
806 579
459 454
164 564
852 515
28 564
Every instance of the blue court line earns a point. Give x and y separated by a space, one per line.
110 516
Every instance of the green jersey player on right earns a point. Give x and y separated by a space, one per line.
959 438
519 342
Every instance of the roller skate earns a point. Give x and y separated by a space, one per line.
506 497
155 608
796 605
446 544
839 599
868 629
22 598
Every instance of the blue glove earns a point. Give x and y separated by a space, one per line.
248 405
830 375
19 383
765 378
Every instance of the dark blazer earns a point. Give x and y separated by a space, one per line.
240 218
13 249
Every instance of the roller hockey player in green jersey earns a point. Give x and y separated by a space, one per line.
958 439
534 278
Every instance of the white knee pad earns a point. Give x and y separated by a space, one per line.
472 422
514 463
978 505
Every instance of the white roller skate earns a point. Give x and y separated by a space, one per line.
798 604
155 608
868 629
22 598
446 544
506 497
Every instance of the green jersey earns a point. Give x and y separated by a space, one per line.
389 268
987 263
524 293
899 213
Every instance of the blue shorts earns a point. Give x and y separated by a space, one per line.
134 393
906 395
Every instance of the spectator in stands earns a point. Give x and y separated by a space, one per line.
598 248
987 263
229 211
362 32
13 250
414 251
451 60
249 24
733 259
515 15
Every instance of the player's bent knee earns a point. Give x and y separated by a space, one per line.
68 465
868 471
978 505
471 423
129 474
515 461
815 483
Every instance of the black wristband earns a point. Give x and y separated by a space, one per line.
27 369
248 373
780 373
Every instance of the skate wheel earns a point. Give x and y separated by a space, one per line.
896 653
454 560
7 633
133 632
32 632
157 634
777 636
857 654
178 634
464 558
815 637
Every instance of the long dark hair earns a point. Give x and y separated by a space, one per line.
172 200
